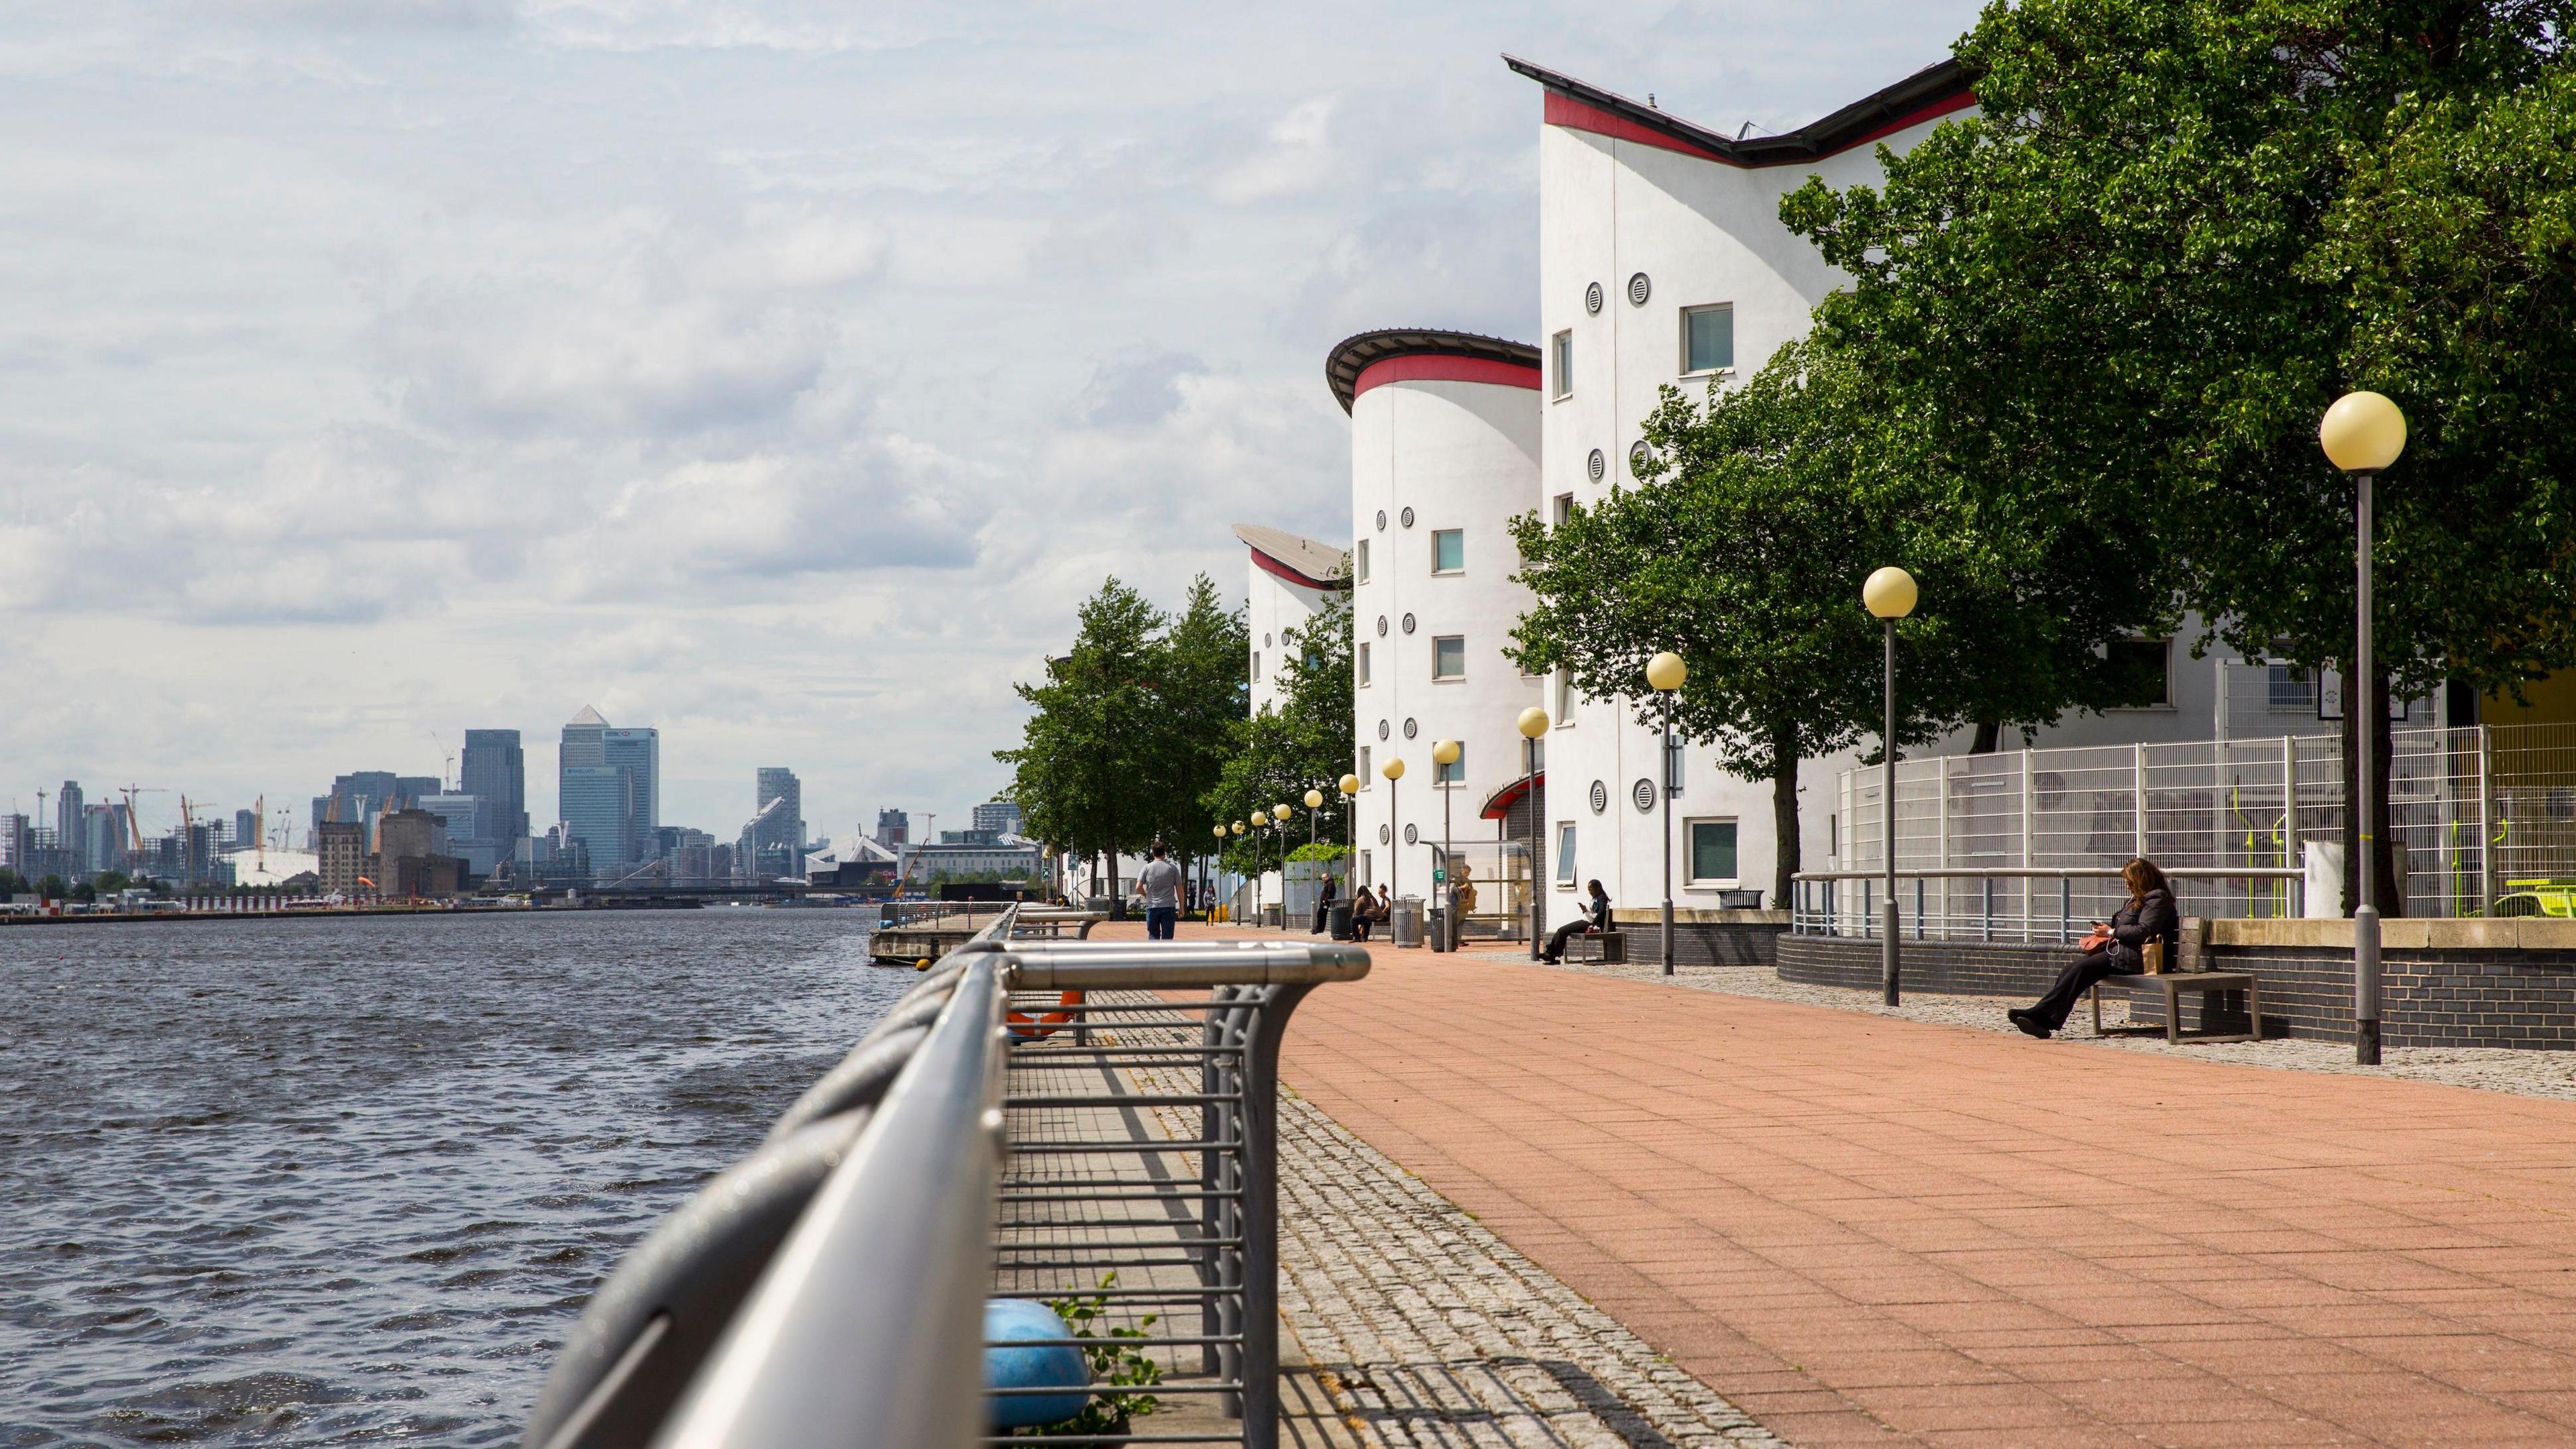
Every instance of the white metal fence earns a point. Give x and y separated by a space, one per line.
2009 846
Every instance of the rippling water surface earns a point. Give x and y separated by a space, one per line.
308 1182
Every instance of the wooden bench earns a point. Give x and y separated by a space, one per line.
1610 948
2174 983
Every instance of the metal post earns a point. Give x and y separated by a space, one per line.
1888 989
1665 769
2029 838
1529 800
2486 841
2138 798
1394 857
2365 734
1940 841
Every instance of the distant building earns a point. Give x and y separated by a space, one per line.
894 828
16 840
611 782
495 771
357 798
999 816
463 814
68 832
411 855
778 839
245 827
102 846
1289 578
639 753
340 848
962 853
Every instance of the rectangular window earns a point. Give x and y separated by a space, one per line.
1449 657
1712 852
1363 659
2143 669
1565 854
1453 773
2288 689
1564 508
1448 550
1367 774
1359 563
1673 763
1564 359
1256 664
1708 338
1565 696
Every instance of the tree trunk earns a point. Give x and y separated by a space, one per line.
1990 735
2370 712
1784 816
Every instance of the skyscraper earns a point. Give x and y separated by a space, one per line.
998 816
611 788
894 828
496 772
68 835
778 841
245 828
638 751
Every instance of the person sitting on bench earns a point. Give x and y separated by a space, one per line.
2116 948
1596 919
1363 913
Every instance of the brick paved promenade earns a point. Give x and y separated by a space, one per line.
1867 1230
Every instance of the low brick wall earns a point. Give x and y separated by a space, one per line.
1705 938
2498 983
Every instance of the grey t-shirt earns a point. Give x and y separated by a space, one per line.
1161 882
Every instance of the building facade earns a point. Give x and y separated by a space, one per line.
340 851
778 836
1286 582
608 789
495 771
1000 816
894 828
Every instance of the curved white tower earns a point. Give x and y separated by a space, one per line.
1444 449
1285 586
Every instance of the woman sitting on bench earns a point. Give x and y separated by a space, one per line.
1363 914
1597 919
2117 947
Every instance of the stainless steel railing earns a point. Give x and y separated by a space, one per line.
1004 1129
2023 904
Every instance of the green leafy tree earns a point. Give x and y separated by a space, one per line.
1204 689
1081 773
1305 742
2176 231
1744 551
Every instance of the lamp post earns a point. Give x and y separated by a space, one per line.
1533 724
1393 770
1350 785
1238 834
1664 674
1444 754
1279 827
2363 433
1889 594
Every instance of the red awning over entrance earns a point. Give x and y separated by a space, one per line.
1498 806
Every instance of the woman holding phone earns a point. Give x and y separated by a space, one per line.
2117 947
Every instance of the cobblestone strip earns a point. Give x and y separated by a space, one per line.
1432 1331
2495 1069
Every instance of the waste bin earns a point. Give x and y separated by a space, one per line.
1339 918
1438 924
1404 926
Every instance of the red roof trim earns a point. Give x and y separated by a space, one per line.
1498 806
1930 111
1435 367
1269 565
1564 110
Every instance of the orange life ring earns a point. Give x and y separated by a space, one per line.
1025 1027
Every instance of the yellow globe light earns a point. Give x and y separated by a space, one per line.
1533 722
1350 784
1393 769
1446 752
1314 799
1665 672
1889 593
1280 812
1238 827
2362 433
1220 832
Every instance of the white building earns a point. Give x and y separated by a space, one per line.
1285 585
1444 450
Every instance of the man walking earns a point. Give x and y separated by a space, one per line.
1160 882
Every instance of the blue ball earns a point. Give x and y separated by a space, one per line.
1037 1366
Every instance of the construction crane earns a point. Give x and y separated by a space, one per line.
134 817
446 778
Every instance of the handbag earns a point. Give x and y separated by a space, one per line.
2096 941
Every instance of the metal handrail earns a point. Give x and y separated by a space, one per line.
2066 872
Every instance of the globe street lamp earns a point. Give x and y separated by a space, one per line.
1664 674
1444 754
1533 724
1393 770
1350 787
1889 594
1208 878
1279 827
1238 834
2362 434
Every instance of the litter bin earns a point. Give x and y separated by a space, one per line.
1439 927
1404 926
1338 917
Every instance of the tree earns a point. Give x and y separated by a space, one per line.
1081 773
2177 230
1744 550
1303 743
1203 688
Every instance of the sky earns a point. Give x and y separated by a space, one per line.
781 376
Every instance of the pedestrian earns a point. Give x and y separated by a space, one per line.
1324 896
2116 947
1364 914
1596 918
1160 884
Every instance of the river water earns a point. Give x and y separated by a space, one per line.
349 1181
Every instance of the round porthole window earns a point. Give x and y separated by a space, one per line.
1384 729
1381 520
1596 465
1645 795
1639 289
1600 797
1409 728
1384 835
1408 623
1640 458
1265 641
1412 836
1381 626
1592 299
1408 518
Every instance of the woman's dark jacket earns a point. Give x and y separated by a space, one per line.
1599 911
2133 926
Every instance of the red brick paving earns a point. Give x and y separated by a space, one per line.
1867 1231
